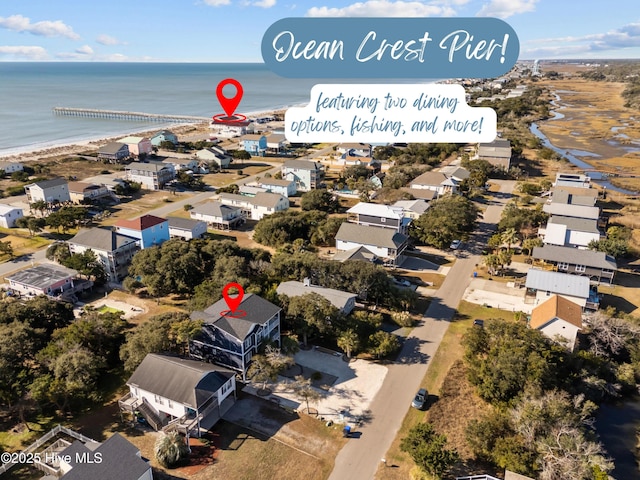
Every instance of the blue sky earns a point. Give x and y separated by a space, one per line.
231 30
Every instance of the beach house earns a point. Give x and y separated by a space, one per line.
9 214
137 145
257 206
180 164
542 284
9 167
436 181
377 215
151 175
216 155
559 319
186 228
44 279
182 394
497 153
82 192
149 229
232 339
306 174
286 188
114 250
164 136
384 243
343 301
218 215
113 152
50 191
597 266
255 144
355 149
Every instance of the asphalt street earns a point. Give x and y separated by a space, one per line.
360 457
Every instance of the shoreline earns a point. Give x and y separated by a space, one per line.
75 147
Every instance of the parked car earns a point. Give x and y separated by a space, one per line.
455 245
478 323
420 399
402 282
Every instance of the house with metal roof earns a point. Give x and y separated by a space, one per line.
542 284
306 174
164 136
230 338
137 145
113 152
151 175
597 266
55 281
182 394
113 249
574 196
572 210
559 319
149 229
50 191
343 301
186 228
413 208
577 180
385 243
570 231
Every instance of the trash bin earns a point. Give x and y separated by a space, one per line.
346 431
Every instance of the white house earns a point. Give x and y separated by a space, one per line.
377 215
343 301
413 208
436 181
256 207
187 393
218 215
215 155
355 149
113 250
572 210
9 214
570 231
54 190
542 284
578 180
384 243
179 164
306 174
186 228
559 319
286 188
151 175
10 167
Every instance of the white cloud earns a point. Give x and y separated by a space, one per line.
385 8
506 8
46 28
108 40
264 3
85 50
217 3
627 36
28 52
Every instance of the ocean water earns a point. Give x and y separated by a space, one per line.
29 91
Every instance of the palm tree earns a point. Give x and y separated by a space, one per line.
509 236
170 449
304 391
349 342
492 262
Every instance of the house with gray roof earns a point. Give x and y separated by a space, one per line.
256 206
231 337
355 254
114 152
570 231
597 266
182 394
186 228
413 208
542 284
572 210
377 215
55 190
308 175
497 153
343 301
436 181
151 175
385 243
113 249
574 196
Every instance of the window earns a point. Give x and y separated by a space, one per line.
563 266
581 268
170 403
158 399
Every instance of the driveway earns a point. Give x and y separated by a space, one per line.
359 460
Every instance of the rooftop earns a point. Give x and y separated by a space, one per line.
575 224
42 276
338 298
558 283
111 148
568 210
302 164
374 236
418 206
4 208
185 381
132 139
377 210
258 311
556 307
358 253
429 178
183 223
101 239
575 256
266 199
141 223
54 182
147 167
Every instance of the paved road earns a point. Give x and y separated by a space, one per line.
360 457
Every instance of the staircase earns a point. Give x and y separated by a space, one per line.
150 415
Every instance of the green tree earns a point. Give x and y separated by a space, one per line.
382 344
58 252
349 342
241 155
6 248
39 206
88 264
429 450
509 236
529 244
616 247
17 352
449 218
311 313
33 224
319 199
171 450
267 366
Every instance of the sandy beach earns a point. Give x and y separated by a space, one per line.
91 145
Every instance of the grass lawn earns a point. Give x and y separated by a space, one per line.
22 244
108 309
440 411
624 295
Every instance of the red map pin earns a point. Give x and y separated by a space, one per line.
233 303
229 105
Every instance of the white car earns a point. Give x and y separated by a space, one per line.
455 245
